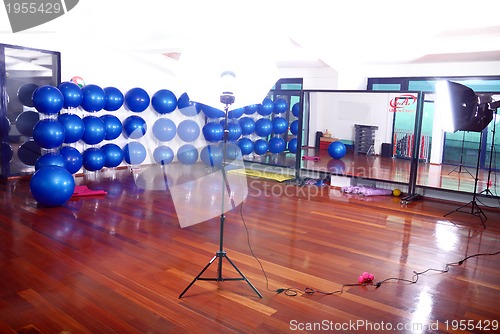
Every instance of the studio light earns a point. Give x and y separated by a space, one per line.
461 109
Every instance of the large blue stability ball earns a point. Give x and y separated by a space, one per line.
336 149
49 133
187 154
212 155
296 109
263 127
294 127
164 101
25 94
164 129
73 127
114 99
73 158
163 155
50 159
95 132
188 107
234 131
52 185
280 125
48 100
251 109
134 153
212 112
232 150
72 93
236 113
247 125
94 98
260 146
213 132
113 155
277 145
266 108
245 145
112 126
188 130
280 106
135 127
137 99
93 159
292 145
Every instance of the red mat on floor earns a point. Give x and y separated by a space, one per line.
85 191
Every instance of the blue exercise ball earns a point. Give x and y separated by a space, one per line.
260 146
213 132
292 145
296 109
294 127
113 155
72 93
187 154
188 107
280 106
48 100
233 151
134 153
25 94
52 185
266 108
263 127
135 127
164 129
245 145
212 156
164 101
112 127
236 113
50 159
73 158
251 109
94 98
188 130
336 149
280 125
137 99
73 127
212 112
234 131
95 131
277 145
48 133
25 122
163 155
93 159
114 99
247 125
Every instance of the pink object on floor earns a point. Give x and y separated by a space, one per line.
85 191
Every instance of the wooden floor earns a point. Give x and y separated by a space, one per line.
118 263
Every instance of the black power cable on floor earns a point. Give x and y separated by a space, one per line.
310 291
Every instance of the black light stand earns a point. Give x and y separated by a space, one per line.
487 191
227 99
475 210
459 168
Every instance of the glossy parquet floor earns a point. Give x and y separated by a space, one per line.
117 263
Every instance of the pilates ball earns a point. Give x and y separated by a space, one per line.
396 192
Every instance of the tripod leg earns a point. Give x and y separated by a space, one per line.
243 276
198 276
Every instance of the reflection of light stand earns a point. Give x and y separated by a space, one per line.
487 191
227 99
475 209
459 168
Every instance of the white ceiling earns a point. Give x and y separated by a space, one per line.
296 34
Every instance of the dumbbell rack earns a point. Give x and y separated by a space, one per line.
364 139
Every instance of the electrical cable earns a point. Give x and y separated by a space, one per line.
293 291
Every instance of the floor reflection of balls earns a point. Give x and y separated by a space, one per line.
336 166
